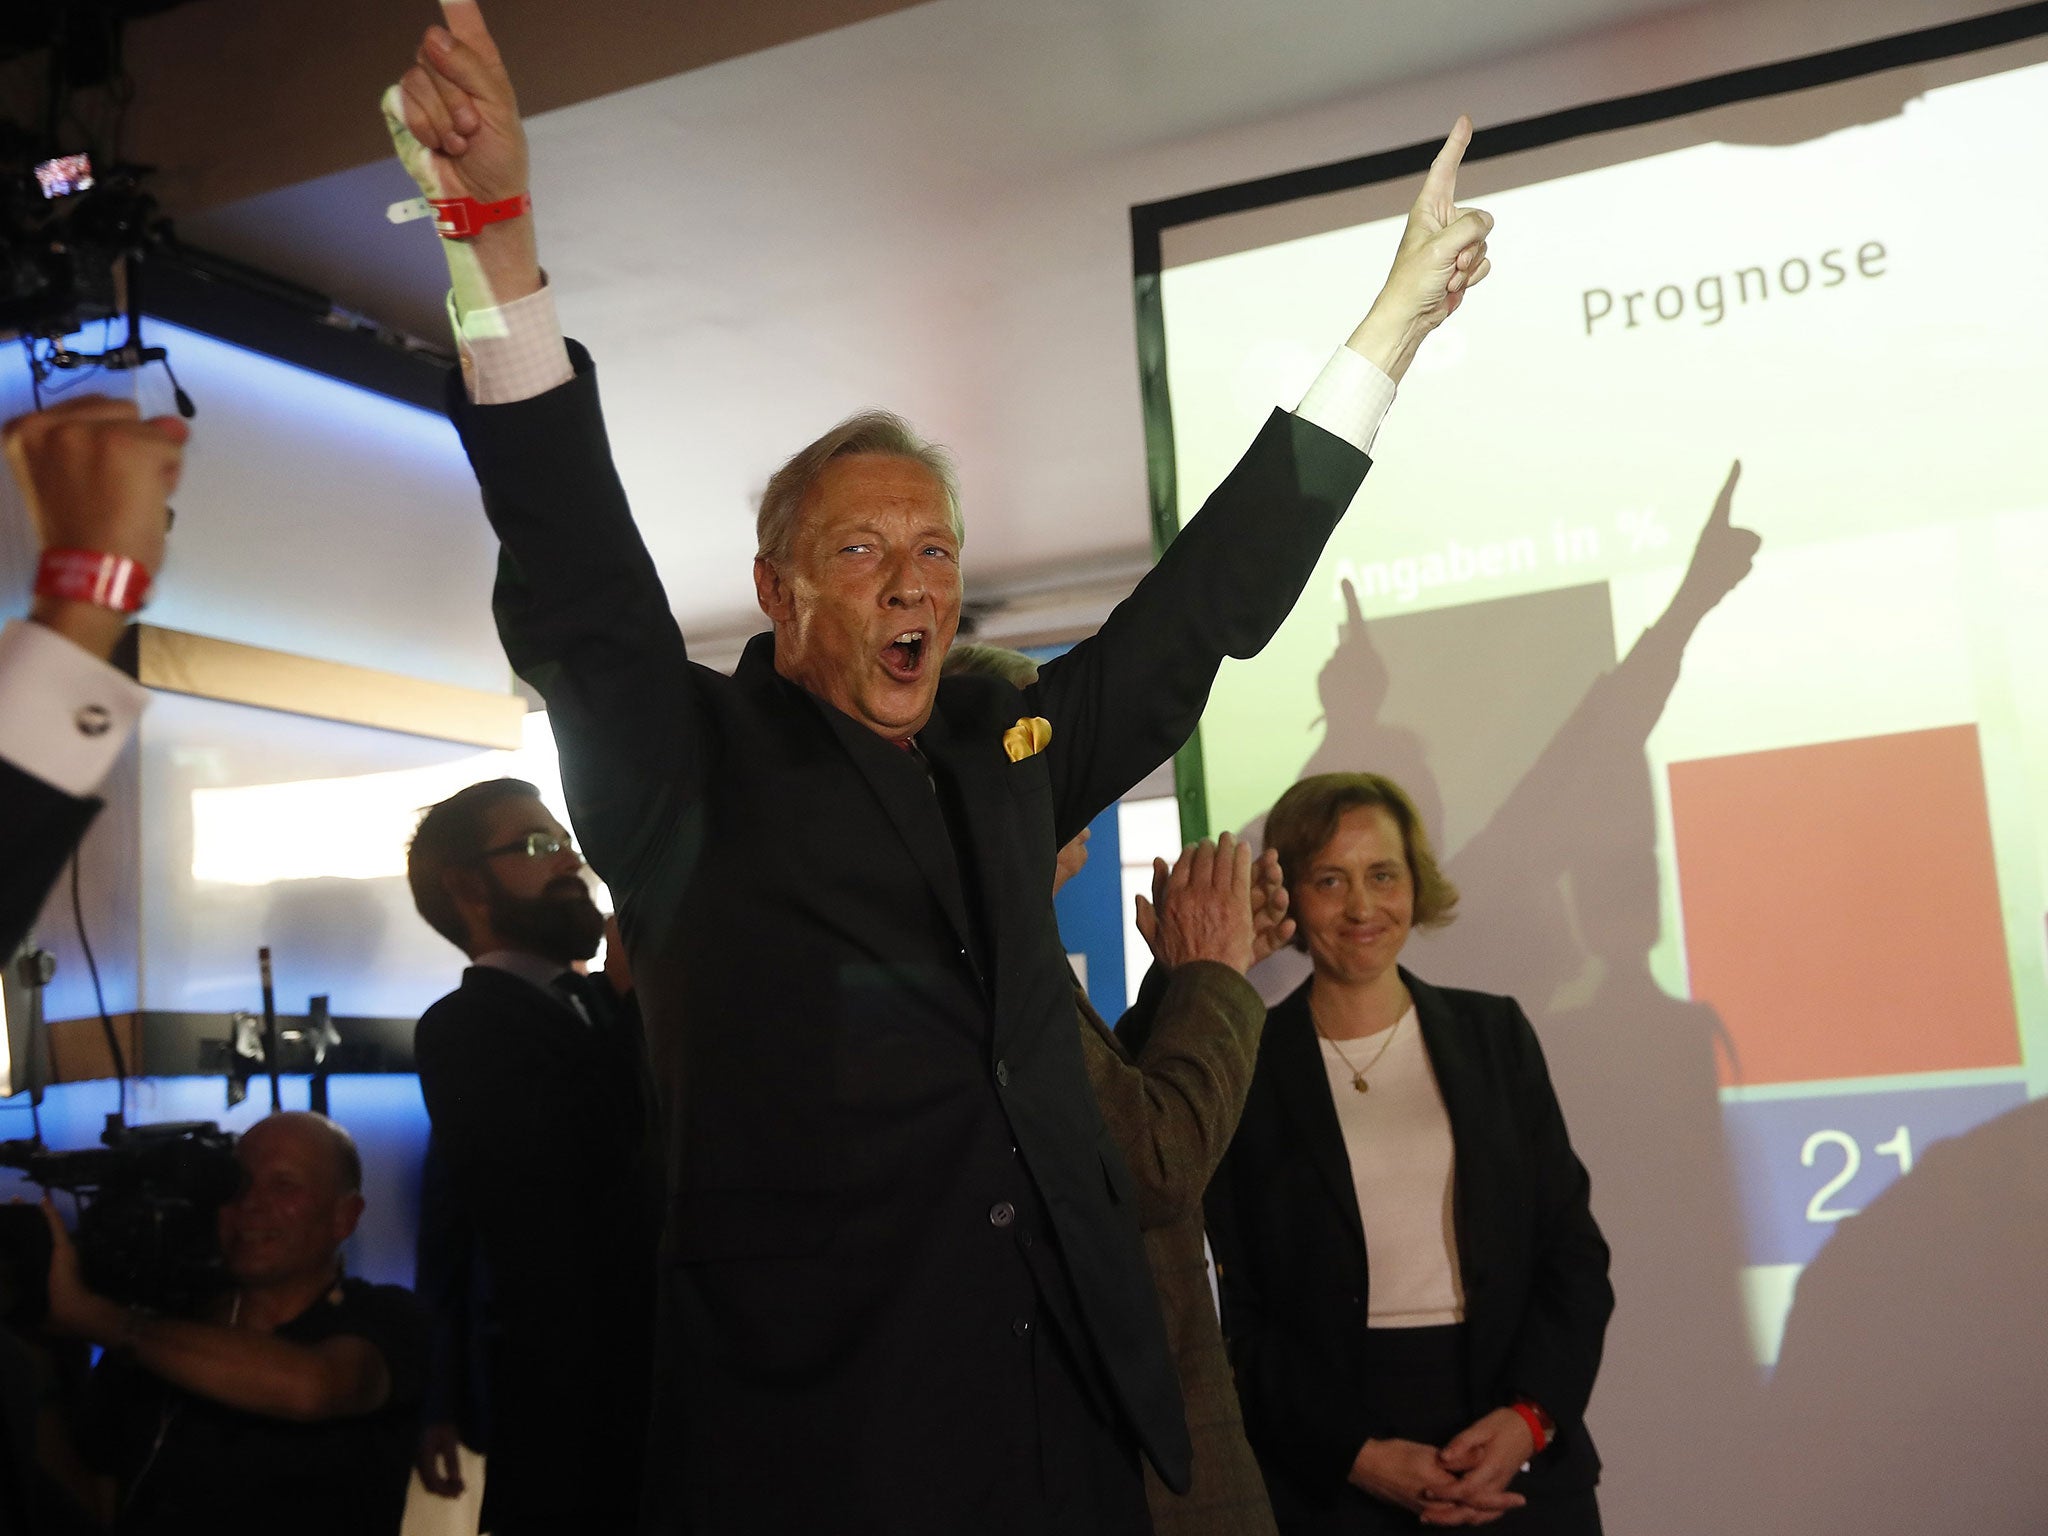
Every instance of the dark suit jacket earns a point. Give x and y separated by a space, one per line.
542 1122
863 1032
452 1281
39 826
1171 1080
1290 1246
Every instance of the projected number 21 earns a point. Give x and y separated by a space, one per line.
1818 1209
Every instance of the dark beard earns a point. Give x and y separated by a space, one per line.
564 926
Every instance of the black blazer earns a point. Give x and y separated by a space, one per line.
452 1281
542 1125
1290 1247
39 827
860 1013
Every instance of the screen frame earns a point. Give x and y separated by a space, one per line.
1151 223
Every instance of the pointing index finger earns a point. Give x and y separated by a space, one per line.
465 18
463 53
1442 181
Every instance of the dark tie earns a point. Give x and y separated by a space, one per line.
586 995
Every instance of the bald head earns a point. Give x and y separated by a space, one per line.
321 1137
300 1199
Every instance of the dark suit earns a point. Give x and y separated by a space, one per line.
452 1282
900 1259
1290 1246
1171 1080
39 826
542 1122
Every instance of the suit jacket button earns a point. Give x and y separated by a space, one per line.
1021 1327
1001 1214
1002 1074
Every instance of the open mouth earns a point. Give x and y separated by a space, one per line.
903 657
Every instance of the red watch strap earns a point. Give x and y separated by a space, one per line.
458 218
1534 1418
86 576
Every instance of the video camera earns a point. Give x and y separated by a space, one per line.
66 229
148 1202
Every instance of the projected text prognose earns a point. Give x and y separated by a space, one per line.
1708 300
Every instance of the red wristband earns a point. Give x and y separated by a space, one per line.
1533 1417
457 218
84 576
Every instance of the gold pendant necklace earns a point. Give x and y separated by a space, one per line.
1358 1082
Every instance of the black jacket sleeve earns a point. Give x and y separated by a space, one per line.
40 825
1124 700
584 619
1557 1349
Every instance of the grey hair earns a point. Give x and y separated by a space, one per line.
975 658
869 432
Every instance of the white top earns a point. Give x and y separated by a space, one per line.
65 715
1398 1137
514 352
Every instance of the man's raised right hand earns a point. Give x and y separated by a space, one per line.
455 123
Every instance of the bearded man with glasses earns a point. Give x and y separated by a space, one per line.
541 1168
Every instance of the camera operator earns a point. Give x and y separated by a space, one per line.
290 1404
97 479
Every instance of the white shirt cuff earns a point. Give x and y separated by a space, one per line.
511 351
1349 399
65 715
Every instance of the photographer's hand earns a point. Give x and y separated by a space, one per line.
245 1368
76 1311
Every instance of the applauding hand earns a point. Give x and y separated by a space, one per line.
1272 928
1202 908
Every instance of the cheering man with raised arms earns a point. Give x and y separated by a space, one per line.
902 1288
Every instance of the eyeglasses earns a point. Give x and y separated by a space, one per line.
535 845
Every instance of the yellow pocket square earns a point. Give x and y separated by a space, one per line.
1027 737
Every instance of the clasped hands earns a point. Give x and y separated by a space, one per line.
1465 1483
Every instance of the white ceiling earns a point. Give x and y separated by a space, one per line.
929 211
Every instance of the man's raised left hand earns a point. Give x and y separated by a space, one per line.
1442 255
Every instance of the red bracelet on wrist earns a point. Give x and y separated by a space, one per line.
86 576
458 218
1534 1418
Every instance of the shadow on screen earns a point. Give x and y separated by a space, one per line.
1513 716
1921 1323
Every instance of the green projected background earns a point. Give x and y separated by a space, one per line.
1758 844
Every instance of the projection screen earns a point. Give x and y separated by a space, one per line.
1760 844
